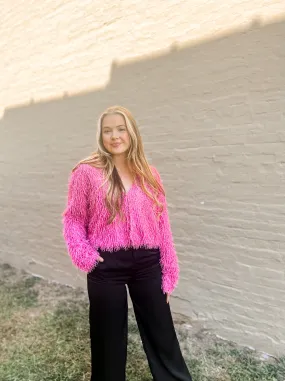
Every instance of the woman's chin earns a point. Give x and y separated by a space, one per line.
119 152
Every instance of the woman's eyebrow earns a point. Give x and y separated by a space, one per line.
120 125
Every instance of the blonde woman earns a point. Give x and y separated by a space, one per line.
117 230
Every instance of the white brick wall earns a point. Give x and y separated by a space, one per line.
208 90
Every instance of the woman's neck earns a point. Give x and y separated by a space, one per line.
121 163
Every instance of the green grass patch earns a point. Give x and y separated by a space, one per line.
45 340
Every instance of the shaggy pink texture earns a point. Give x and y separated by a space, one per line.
85 226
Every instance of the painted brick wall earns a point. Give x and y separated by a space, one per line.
206 81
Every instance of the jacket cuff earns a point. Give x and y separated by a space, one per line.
170 279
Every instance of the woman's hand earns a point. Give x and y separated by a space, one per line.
167 298
100 259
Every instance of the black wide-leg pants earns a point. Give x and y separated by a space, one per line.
140 270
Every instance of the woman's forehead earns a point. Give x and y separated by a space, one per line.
113 120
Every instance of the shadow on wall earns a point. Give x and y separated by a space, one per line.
202 110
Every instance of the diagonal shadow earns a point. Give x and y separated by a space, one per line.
212 118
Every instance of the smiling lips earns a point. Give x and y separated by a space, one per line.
116 145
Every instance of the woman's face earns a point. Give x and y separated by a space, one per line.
115 136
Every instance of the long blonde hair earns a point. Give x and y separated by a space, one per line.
138 164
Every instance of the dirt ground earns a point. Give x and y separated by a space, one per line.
37 315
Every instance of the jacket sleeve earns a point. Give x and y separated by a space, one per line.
82 254
169 260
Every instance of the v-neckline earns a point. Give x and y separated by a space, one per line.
126 192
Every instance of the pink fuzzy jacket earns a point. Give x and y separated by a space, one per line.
86 230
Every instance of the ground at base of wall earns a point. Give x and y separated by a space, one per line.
45 336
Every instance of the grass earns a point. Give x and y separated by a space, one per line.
45 337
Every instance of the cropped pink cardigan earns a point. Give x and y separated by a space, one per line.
86 230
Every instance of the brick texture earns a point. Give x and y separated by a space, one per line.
206 82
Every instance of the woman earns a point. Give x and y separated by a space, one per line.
117 230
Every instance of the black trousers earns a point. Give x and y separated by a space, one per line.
140 270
